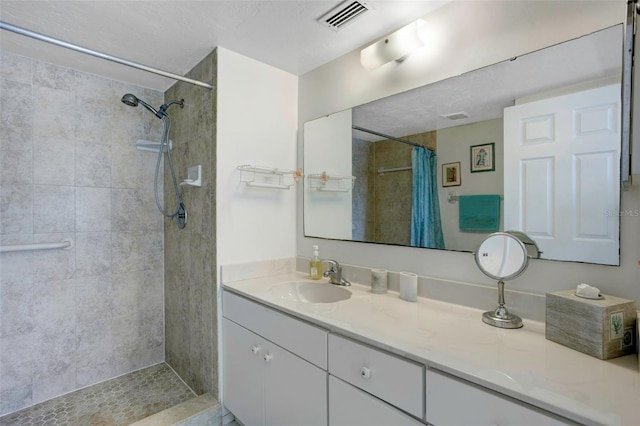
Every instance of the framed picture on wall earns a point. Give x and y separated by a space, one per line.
483 158
451 174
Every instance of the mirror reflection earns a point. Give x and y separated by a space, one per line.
531 144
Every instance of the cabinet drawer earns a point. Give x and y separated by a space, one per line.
393 379
303 339
349 406
453 401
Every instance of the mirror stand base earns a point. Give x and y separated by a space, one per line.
501 318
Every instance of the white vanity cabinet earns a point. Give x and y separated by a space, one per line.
454 401
388 381
349 406
266 380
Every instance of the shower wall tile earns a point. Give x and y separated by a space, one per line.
49 265
127 251
93 253
16 162
127 328
125 293
16 369
72 317
93 165
53 76
53 161
126 163
95 343
17 312
49 384
53 208
94 373
152 219
91 86
16 365
54 354
49 121
152 325
15 268
92 119
131 126
93 298
54 307
16 207
18 101
126 209
153 251
190 307
152 290
93 209
15 67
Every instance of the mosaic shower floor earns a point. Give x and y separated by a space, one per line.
120 401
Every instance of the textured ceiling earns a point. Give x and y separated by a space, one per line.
484 93
175 35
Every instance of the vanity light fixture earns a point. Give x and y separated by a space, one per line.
395 47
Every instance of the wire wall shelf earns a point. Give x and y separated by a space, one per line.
328 183
268 177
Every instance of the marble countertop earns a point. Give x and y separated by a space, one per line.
520 363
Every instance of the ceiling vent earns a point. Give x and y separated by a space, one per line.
456 115
344 14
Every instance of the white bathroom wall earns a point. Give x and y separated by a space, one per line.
69 170
330 152
256 125
454 144
468 35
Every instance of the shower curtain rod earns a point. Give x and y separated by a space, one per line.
28 33
373 132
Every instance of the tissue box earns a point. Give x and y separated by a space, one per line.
603 328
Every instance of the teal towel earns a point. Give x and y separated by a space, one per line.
479 212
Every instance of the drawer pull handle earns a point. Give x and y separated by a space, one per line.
267 357
365 373
255 349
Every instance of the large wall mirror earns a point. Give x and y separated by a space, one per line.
531 144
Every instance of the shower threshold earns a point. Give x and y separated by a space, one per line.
120 401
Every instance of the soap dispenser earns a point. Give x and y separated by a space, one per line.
315 268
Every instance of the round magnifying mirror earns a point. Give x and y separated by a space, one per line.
502 256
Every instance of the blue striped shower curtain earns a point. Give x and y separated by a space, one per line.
426 228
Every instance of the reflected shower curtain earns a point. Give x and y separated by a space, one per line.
426 228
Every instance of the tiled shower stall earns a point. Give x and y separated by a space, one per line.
69 169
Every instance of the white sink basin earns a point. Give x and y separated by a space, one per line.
310 292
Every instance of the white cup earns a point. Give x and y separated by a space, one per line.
408 286
378 281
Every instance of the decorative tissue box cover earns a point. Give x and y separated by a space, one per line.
603 328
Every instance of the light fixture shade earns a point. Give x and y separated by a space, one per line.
394 47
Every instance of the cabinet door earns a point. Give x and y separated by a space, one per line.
452 401
349 406
243 367
295 390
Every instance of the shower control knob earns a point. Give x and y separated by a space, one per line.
267 357
255 349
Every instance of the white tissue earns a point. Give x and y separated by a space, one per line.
587 291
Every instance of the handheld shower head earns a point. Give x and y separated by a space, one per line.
133 101
130 100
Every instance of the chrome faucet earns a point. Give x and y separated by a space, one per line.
335 273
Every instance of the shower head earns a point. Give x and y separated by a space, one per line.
133 101
130 100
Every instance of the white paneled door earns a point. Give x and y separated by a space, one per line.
561 177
